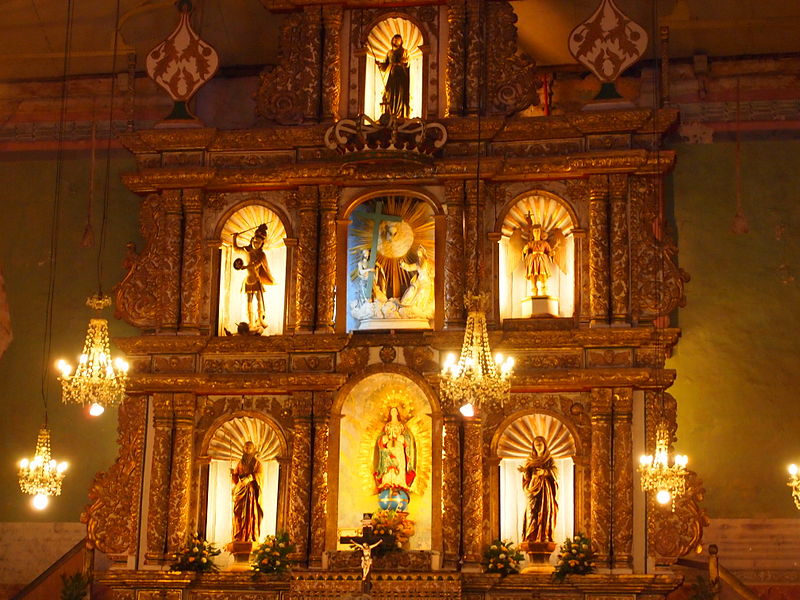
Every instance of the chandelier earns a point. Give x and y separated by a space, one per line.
42 476
98 381
794 483
669 482
476 377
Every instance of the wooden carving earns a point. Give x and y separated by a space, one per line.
598 249
193 267
454 257
601 474
456 20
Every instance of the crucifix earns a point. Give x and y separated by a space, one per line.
377 218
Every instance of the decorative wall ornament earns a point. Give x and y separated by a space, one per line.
392 135
182 63
608 42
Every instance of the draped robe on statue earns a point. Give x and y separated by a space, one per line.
539 484
247 512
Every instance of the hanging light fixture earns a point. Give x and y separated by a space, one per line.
794 483
476 377
41 476
98 381
667 480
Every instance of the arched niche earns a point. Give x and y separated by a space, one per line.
513 448
368 432
378 45
225 449
249 279
517 251
392 277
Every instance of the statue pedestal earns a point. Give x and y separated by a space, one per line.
538 554
540 306
367 324
241 555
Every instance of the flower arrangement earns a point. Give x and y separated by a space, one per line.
272 556
394 528
575 557
196 556
502 557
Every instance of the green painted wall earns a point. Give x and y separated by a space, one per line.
89 444
738 360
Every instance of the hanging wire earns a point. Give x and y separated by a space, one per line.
48 322
107 181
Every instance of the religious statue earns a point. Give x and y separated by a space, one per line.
396 92
395 455
539 254
366 557
258 275
365 292
247 512
418 298
539 484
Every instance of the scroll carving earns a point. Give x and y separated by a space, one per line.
192 268
456 55
305 286
331 77
112 517
598 250
289 93
454 254
658 283
326 276
511 76
601 474
620 254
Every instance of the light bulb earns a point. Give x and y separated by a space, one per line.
83 359
498 358
645 459
467 410
23 464
663 497
96 410
40 501
793 469
62 466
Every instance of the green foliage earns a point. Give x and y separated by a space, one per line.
576 557
196 556
273 555
75 586
502 557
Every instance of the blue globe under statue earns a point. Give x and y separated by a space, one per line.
390 499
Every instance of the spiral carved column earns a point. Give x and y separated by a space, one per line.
598 250
181 472
451 489
454 255
300 475
601 475
158 501
620 252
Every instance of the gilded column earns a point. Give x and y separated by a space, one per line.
331 62
326 274
181 472
192 268
170 273
598 250
472 504
451 489
454 255
620 249
300 476
319 484
622 506
600 518
158 500
471 238
312 55
474 55
456 56
305 286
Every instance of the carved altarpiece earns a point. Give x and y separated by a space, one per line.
591 374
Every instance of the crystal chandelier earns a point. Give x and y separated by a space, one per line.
669 482
794 483
42 476
98 380
476 377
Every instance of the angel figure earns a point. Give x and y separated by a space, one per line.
539 254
